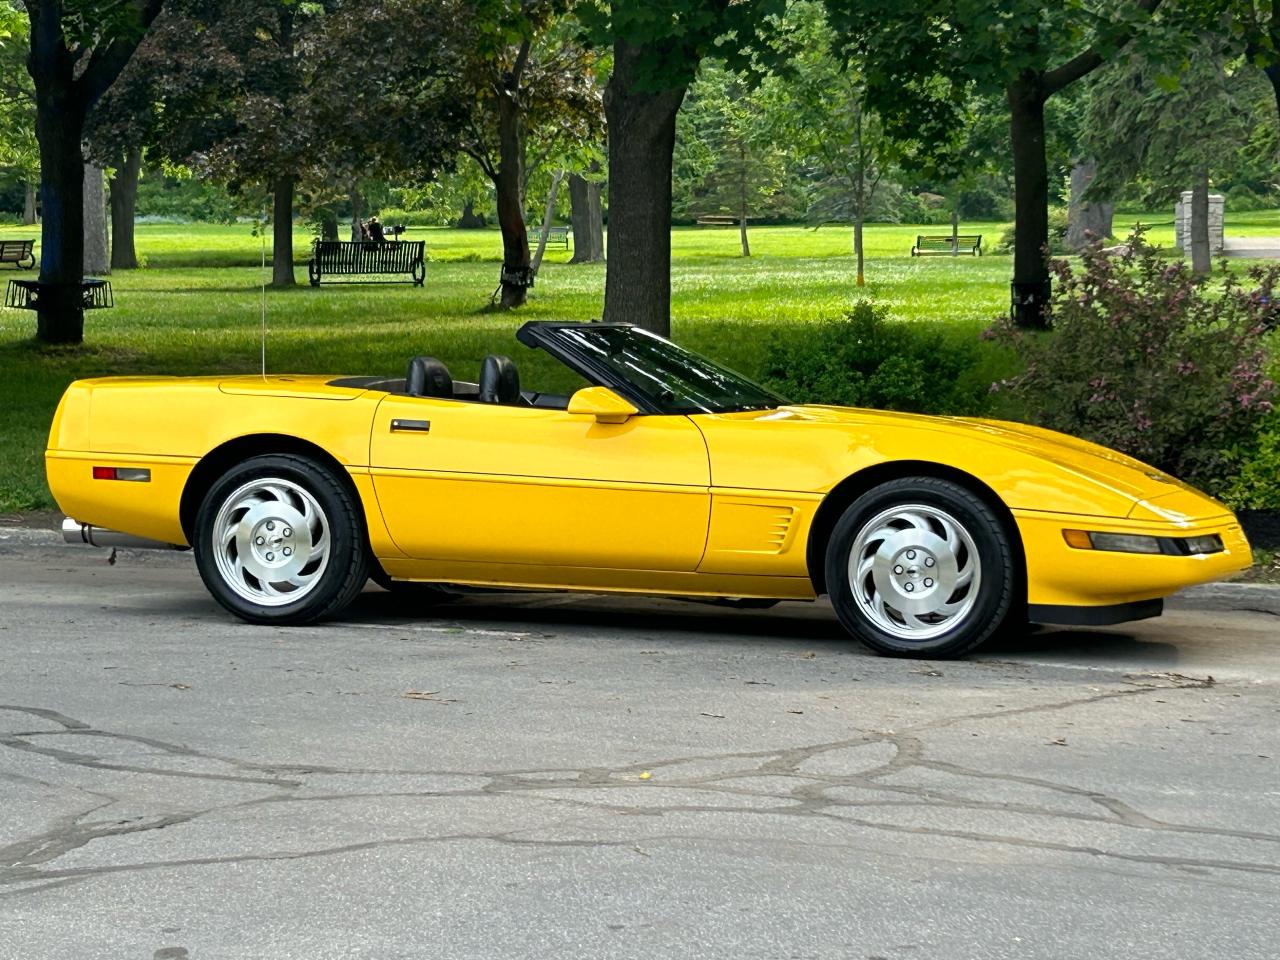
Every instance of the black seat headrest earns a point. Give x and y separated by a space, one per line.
428 377
499 380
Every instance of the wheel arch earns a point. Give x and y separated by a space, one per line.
855 485
217 461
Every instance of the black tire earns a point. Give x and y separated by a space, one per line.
329 578
982 606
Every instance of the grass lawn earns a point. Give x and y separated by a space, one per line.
195 308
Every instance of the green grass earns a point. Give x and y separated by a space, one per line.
195 308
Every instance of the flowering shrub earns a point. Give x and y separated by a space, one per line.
866 360
1150 359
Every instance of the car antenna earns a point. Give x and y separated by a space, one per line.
262 276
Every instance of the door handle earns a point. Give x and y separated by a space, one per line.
411 426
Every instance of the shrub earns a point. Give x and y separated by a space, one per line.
1150 359
1255 484
866 360
1057 234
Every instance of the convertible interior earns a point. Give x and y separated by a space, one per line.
499 383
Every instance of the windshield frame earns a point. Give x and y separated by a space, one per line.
554 338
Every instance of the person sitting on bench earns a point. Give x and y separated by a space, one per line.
375 231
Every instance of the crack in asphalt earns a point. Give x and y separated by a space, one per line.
29 865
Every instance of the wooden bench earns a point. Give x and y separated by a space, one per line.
942 246
18 252
555 234
346 258
719 220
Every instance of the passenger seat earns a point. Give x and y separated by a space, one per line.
499 380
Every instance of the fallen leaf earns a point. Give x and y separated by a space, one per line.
795 711
645 775
1059 742
717 716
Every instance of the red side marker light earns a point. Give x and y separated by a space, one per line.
134 474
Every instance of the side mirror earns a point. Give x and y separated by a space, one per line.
601 403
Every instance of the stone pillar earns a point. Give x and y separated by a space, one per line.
1182 222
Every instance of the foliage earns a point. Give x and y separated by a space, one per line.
1141 123
1132 332
866 360
19 152
726 160
1058 217
1255 480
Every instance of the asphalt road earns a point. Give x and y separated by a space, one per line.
525 776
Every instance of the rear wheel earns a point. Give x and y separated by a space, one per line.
279 539
921 567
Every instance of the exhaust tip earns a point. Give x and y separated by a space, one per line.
73 531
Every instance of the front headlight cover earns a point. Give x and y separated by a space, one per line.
1144 543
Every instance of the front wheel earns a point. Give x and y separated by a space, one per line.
921 567
280 540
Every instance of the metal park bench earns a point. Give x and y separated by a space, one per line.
944 245
18 252
555 234
346 258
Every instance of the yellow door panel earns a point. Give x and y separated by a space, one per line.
483 482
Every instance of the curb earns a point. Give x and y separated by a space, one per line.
1250 597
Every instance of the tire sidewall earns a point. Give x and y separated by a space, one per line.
345 538
995 593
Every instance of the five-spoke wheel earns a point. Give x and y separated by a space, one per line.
279 540
920 567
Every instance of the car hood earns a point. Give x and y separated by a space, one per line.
1152 490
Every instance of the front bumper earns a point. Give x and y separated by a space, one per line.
1059 575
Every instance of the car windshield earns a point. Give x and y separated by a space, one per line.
673 379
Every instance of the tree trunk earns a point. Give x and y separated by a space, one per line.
29 205
508 184
357 215
642 134
1201 259
955 231
282 232
742 198
580 218
328 225
97 256
1031 288
547 216
594 188
1086 221
470 220
60 307
124 202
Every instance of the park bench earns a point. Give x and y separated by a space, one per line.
719 220
555 234
943 245
18 252
346 258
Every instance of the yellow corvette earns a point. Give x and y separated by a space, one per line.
665 474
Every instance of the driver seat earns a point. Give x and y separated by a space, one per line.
428 377
499 380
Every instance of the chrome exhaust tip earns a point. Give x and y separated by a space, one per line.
73 531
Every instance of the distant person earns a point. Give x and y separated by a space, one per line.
364 230
375 231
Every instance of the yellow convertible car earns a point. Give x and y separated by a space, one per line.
665 474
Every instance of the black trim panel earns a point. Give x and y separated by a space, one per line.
411 426
1094 616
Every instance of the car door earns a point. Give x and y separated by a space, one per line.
459 480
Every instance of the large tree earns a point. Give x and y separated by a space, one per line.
532 82
1024 50
78 49
19 151
657 47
